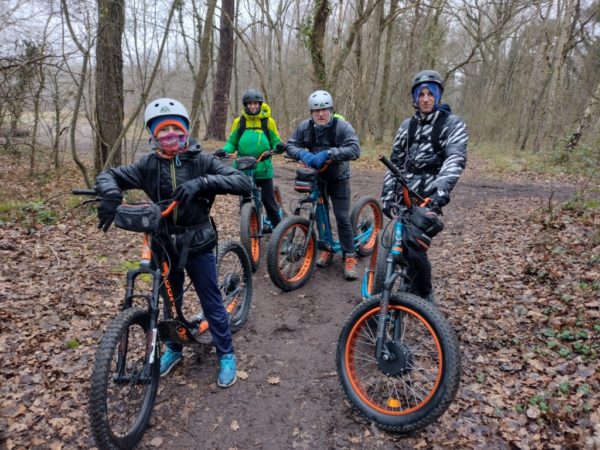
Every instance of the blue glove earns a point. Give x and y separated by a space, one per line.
320 159
306 157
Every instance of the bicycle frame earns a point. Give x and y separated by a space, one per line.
319 216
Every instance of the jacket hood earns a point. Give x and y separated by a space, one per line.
265 111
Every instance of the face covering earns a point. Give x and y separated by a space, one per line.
172 143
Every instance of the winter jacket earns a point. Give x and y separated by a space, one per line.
159 177
345 148
427 172
253 141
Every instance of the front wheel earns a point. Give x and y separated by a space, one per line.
367 220
292 253
250 233
417 381
124 381
235 282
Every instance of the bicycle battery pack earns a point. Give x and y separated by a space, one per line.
305 178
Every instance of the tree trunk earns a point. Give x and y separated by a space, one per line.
316 42
203 67
218 115
382 114
585 120
109 80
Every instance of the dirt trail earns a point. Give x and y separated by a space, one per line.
290 341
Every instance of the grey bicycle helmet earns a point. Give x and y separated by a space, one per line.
427 76
252 95
320 100
165 107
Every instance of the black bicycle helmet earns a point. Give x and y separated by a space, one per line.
427 76
252 95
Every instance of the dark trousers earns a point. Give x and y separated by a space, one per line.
202 270
419 271
267 195
338 193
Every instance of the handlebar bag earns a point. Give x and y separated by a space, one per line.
140 217
246 163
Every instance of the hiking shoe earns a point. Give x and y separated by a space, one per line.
168 360
325 259
350 272
227 370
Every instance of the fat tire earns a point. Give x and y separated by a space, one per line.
379 265
273 253
252 245
357 208
228 248
101 375
448 385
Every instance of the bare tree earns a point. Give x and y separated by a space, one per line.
218 115
109 80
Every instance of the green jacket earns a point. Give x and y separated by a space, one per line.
253 141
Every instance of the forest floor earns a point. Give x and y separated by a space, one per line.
516 271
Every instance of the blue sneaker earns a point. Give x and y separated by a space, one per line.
169 360
227 370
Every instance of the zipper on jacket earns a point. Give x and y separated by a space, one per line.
174 184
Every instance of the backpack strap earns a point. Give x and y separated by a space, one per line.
438 125
241 127
436 131
264 125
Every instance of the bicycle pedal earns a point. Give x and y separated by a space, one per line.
174 332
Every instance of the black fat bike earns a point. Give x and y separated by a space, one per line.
126 374
398 358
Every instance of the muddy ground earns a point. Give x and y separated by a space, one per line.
292 337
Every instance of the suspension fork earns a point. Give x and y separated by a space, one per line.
391 275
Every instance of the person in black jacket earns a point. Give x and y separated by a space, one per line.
430 149
178 170
328 137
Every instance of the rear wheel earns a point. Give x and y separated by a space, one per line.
415 385
250 233
378 266
366 219
235 282
124 380
288 264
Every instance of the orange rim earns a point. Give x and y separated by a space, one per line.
306 261
372 267
277 196
391 402
254 240
377 222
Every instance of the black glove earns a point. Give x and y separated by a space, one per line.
220 153
390 209
186 192
108 209
279 148
439 199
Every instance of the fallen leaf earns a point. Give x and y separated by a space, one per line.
234 425
274 379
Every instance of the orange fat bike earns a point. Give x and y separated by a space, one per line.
125 376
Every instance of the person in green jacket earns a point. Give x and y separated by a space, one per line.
252 134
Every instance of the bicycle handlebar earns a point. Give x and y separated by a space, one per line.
84 192
396 172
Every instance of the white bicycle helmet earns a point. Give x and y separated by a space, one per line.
320 100
165 107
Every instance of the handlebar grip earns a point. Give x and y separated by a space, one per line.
84 192
387 163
